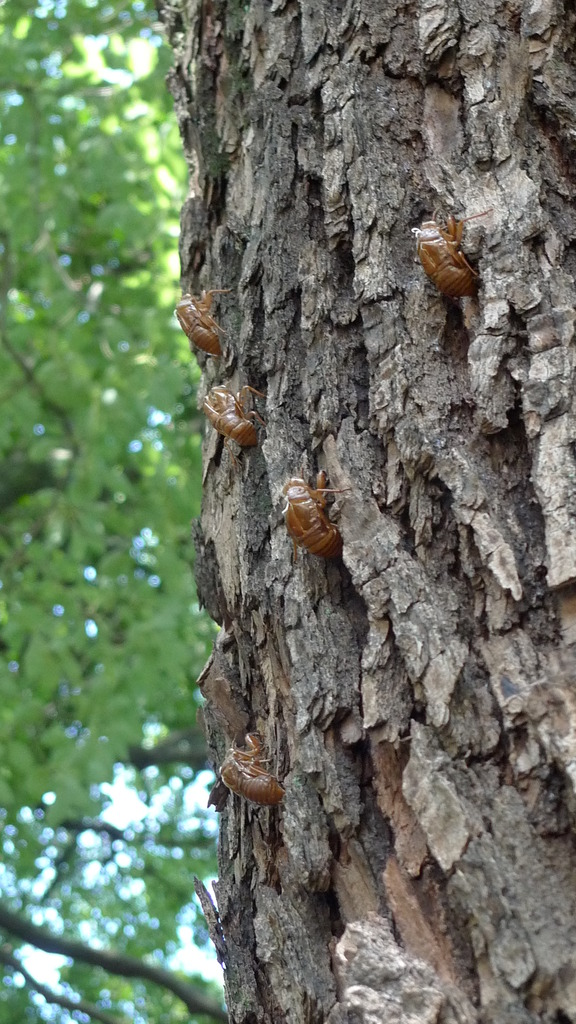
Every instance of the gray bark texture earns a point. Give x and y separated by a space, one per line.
416 698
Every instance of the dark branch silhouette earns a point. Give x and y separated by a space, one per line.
79 825
81 1005
186 746
116 963
19 476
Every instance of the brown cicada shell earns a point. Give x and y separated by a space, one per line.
243 772
227 415
306 521
198 324
441 256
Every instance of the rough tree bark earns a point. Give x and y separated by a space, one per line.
417 697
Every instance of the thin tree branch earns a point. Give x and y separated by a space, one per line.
61 864
114 962
44 243
50 996
79 825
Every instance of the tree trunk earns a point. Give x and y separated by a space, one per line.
415 697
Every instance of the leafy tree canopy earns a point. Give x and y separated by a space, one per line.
101 635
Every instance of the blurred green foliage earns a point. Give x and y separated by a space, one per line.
101 637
